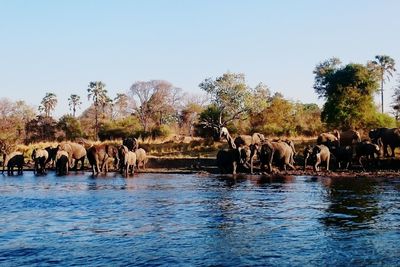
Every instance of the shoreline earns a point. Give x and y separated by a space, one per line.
208 166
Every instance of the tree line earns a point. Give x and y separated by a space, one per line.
157 108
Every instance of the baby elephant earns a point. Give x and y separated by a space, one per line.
318 154
368 150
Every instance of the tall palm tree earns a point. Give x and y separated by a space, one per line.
385 66
98 94
48 103
74 101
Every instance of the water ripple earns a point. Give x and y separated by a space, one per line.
159 219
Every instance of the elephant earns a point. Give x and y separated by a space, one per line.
389 137
141 158
131 143
291 144
227 160
343 155
253 142
367 149
307 152
349 138
329 139
320 153
112 153
39 157
62 162
98 158
15 159
128 158
76 152
52 151
279 152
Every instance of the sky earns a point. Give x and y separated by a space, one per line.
60 46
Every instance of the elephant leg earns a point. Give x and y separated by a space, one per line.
234 167
252 155
392 148
317 162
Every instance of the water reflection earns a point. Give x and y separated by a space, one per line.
353 203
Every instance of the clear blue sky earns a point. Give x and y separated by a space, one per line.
60 46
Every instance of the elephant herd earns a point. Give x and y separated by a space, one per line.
68 155
344 149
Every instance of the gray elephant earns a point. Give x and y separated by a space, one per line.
76 153
61 162
227 160
388 137
349 138
329 139
131 143
278 152
141 158
368 150
39 157
291 144
52 151
343 156
320 153
15 159
250 143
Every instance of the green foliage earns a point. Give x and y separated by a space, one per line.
42 128
348 92
380 120
119 129
230 96
161 131
71 127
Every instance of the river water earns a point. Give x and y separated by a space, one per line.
205 220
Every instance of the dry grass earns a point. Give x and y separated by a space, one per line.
171 147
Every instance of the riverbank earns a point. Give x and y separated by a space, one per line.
386 168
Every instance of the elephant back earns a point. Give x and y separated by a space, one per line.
350 137
325 138
243 140
78 150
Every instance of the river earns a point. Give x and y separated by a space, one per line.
193 219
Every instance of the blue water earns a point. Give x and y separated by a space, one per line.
203 220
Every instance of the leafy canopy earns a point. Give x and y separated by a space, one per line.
348 91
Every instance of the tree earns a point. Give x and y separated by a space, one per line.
121 103
42 128
385 66
396 101
48 104
74 101
230 96
348 91
71 127
157 101
13 116
98 94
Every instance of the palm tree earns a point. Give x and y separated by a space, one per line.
74 101
98 94
48 103
385 66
